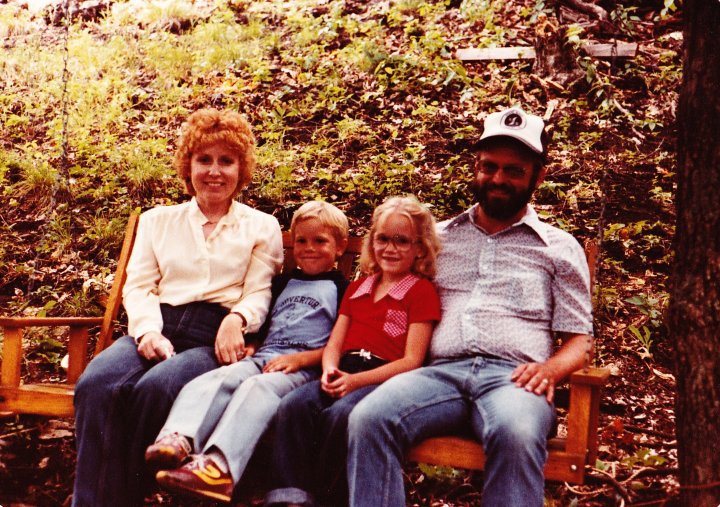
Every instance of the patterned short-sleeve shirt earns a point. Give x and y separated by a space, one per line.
506 294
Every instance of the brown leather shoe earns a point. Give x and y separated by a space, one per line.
168 452
199 477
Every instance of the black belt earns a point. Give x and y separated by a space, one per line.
354 361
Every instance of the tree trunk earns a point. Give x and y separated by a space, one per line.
554 57
695 299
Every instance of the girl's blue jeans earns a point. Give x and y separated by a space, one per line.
122 400
309 449
446 397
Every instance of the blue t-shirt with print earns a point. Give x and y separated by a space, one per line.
303 310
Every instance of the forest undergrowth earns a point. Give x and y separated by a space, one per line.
351 101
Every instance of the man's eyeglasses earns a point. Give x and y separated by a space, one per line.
511 171
402 243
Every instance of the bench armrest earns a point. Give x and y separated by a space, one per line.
13 330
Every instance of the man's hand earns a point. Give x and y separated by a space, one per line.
541 378
536 378
153 346
287 363
230 342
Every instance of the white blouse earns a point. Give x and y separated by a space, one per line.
173 263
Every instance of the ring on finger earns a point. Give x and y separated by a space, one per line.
544 381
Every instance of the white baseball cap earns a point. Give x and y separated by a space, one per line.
516 123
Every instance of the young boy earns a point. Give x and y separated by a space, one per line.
222 414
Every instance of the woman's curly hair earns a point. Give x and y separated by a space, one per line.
206 127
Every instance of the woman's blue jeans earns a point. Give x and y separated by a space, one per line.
122 400
443 398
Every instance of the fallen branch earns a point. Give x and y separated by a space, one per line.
652 471
588 8
16 433
660 502
648 431
606 478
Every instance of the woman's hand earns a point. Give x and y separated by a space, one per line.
230 342
337 383
250 349
153 346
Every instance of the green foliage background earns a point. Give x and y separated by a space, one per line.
351 102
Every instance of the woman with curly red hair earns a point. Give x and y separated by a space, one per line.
198 280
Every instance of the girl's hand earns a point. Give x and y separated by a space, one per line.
153 346
230 342
288 363
328 375
338 384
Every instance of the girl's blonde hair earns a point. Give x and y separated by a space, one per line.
328 215
424 224
206 127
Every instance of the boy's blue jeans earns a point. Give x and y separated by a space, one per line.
230 408
511 423
122 400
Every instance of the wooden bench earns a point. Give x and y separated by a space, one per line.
54 398
568 454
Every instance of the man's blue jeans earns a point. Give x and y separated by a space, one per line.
442 398
122 400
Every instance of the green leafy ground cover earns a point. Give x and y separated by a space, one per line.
351 101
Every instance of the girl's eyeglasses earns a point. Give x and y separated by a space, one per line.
402 243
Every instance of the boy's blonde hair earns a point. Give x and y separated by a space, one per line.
206 127
424 224
328 215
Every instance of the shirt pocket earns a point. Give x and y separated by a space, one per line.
525 294
396 323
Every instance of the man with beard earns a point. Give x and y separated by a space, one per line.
510 286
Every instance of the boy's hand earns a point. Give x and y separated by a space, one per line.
337 383
288 363
230 342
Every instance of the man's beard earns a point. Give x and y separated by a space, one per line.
502 208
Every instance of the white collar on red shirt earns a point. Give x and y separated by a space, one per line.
397 292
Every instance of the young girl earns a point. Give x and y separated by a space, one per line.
384 326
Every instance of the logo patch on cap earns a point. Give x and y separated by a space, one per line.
513 120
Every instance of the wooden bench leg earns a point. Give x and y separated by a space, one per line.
77 350
12 356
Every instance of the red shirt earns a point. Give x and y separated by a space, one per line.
382 327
